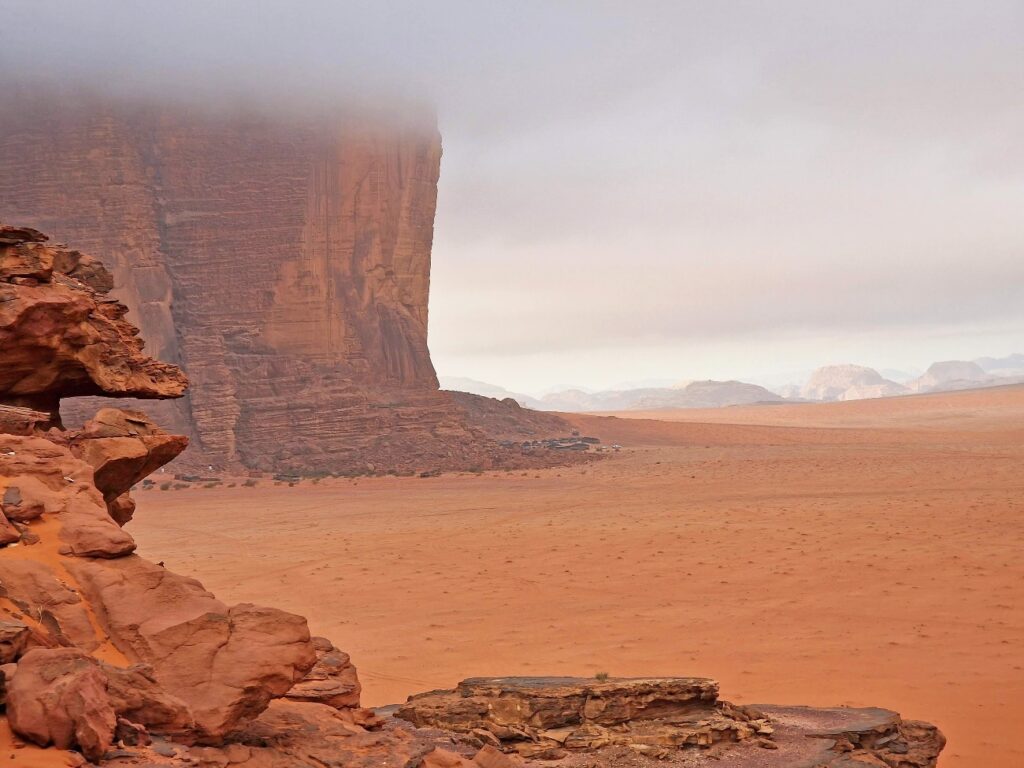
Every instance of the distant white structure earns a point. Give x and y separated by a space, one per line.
849 382
952 374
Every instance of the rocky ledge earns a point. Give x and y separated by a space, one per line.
108 658
677 719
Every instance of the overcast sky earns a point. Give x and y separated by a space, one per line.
639 190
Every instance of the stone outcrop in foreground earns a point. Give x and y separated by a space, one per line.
671 719
108 658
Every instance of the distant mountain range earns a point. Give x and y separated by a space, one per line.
827 384
695 394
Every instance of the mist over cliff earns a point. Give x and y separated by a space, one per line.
740 187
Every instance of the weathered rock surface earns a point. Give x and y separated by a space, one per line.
52 478
545 716
14 637
226 663
332 680
123 447
138 696
59 696
62 337
679 721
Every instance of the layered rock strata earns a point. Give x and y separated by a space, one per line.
679 720
284 264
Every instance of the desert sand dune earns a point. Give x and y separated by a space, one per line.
849 553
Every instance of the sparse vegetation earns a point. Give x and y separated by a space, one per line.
601 676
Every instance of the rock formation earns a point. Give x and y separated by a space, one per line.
849 382
668 719
951 375
109 658
284 264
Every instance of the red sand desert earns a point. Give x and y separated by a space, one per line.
861 553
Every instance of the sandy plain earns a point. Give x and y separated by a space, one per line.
862 553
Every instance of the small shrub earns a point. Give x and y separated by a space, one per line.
250 483
602 676
165 486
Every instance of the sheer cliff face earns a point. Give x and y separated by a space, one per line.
284 266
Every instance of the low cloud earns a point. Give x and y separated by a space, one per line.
670 177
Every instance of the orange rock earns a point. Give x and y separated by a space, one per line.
332 680
59 696
64 338
225 663
137 696
123 447
441 758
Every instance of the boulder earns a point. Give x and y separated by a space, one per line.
442 758
123 447
59 696
332 680
88 530
8 533
138 697
225 663
37 591
25 501
14 637
489 757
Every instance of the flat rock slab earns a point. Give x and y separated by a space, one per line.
546 717
679 720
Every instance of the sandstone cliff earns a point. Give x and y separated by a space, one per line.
284 264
